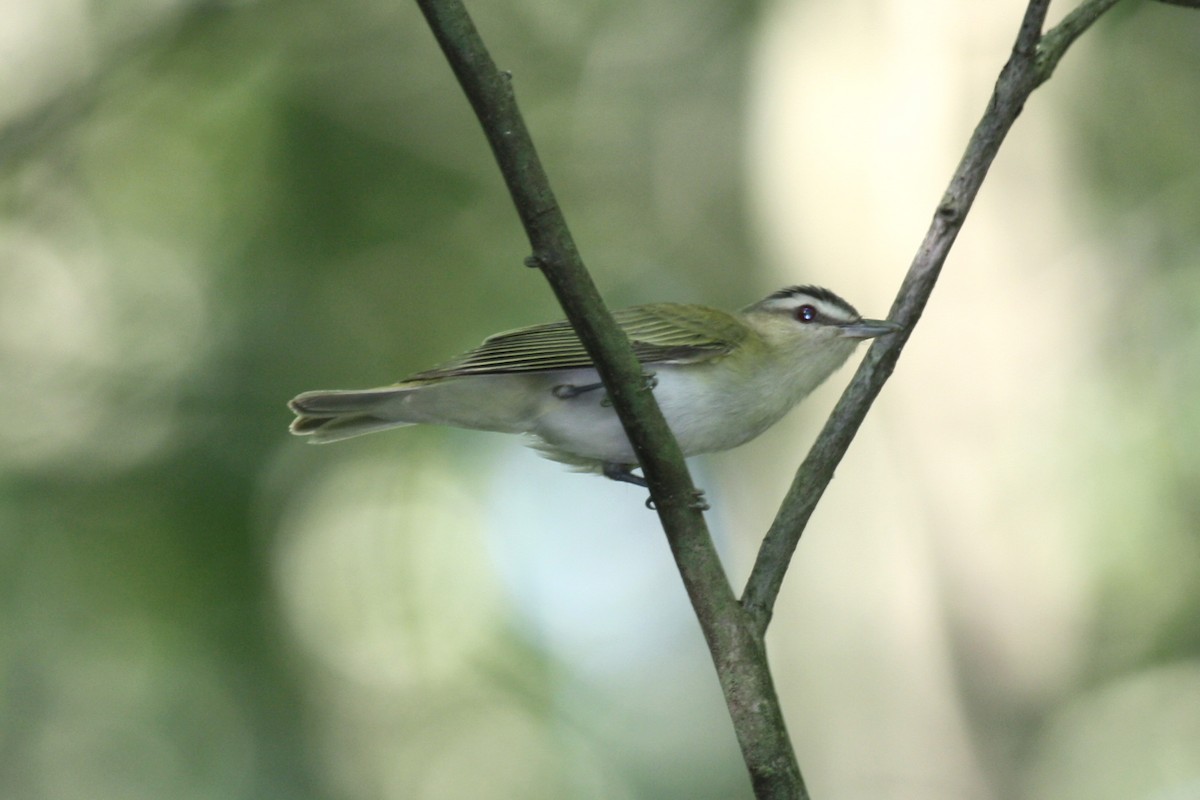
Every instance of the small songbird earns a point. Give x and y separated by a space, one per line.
720 378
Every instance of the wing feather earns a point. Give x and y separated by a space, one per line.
663 333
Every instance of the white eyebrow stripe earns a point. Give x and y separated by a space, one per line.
834 311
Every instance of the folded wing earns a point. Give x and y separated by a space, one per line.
663 333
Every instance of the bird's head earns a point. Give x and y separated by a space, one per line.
814 323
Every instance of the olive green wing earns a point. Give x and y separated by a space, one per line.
663 333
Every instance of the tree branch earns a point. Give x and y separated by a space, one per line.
1055 43
1033 59
736 649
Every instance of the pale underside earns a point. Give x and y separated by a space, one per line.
540 381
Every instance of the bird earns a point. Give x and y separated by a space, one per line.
720 378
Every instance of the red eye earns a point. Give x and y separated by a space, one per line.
806 313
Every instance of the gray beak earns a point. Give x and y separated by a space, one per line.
869 328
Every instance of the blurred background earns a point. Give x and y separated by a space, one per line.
208 207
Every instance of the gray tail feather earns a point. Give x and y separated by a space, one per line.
336 415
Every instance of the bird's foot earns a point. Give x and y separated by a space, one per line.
697 502
567 391
623 473
649 380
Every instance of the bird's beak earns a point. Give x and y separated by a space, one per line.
869 328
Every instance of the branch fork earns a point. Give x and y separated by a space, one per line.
735 629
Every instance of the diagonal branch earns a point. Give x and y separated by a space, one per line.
1055 43
1033 59
736 649
490 93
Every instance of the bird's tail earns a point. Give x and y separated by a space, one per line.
330 416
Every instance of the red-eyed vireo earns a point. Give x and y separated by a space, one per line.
720 378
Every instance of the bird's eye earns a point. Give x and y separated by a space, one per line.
806 313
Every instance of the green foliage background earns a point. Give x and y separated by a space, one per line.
209 207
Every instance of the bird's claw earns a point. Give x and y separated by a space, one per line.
697 502
624 474
566 391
